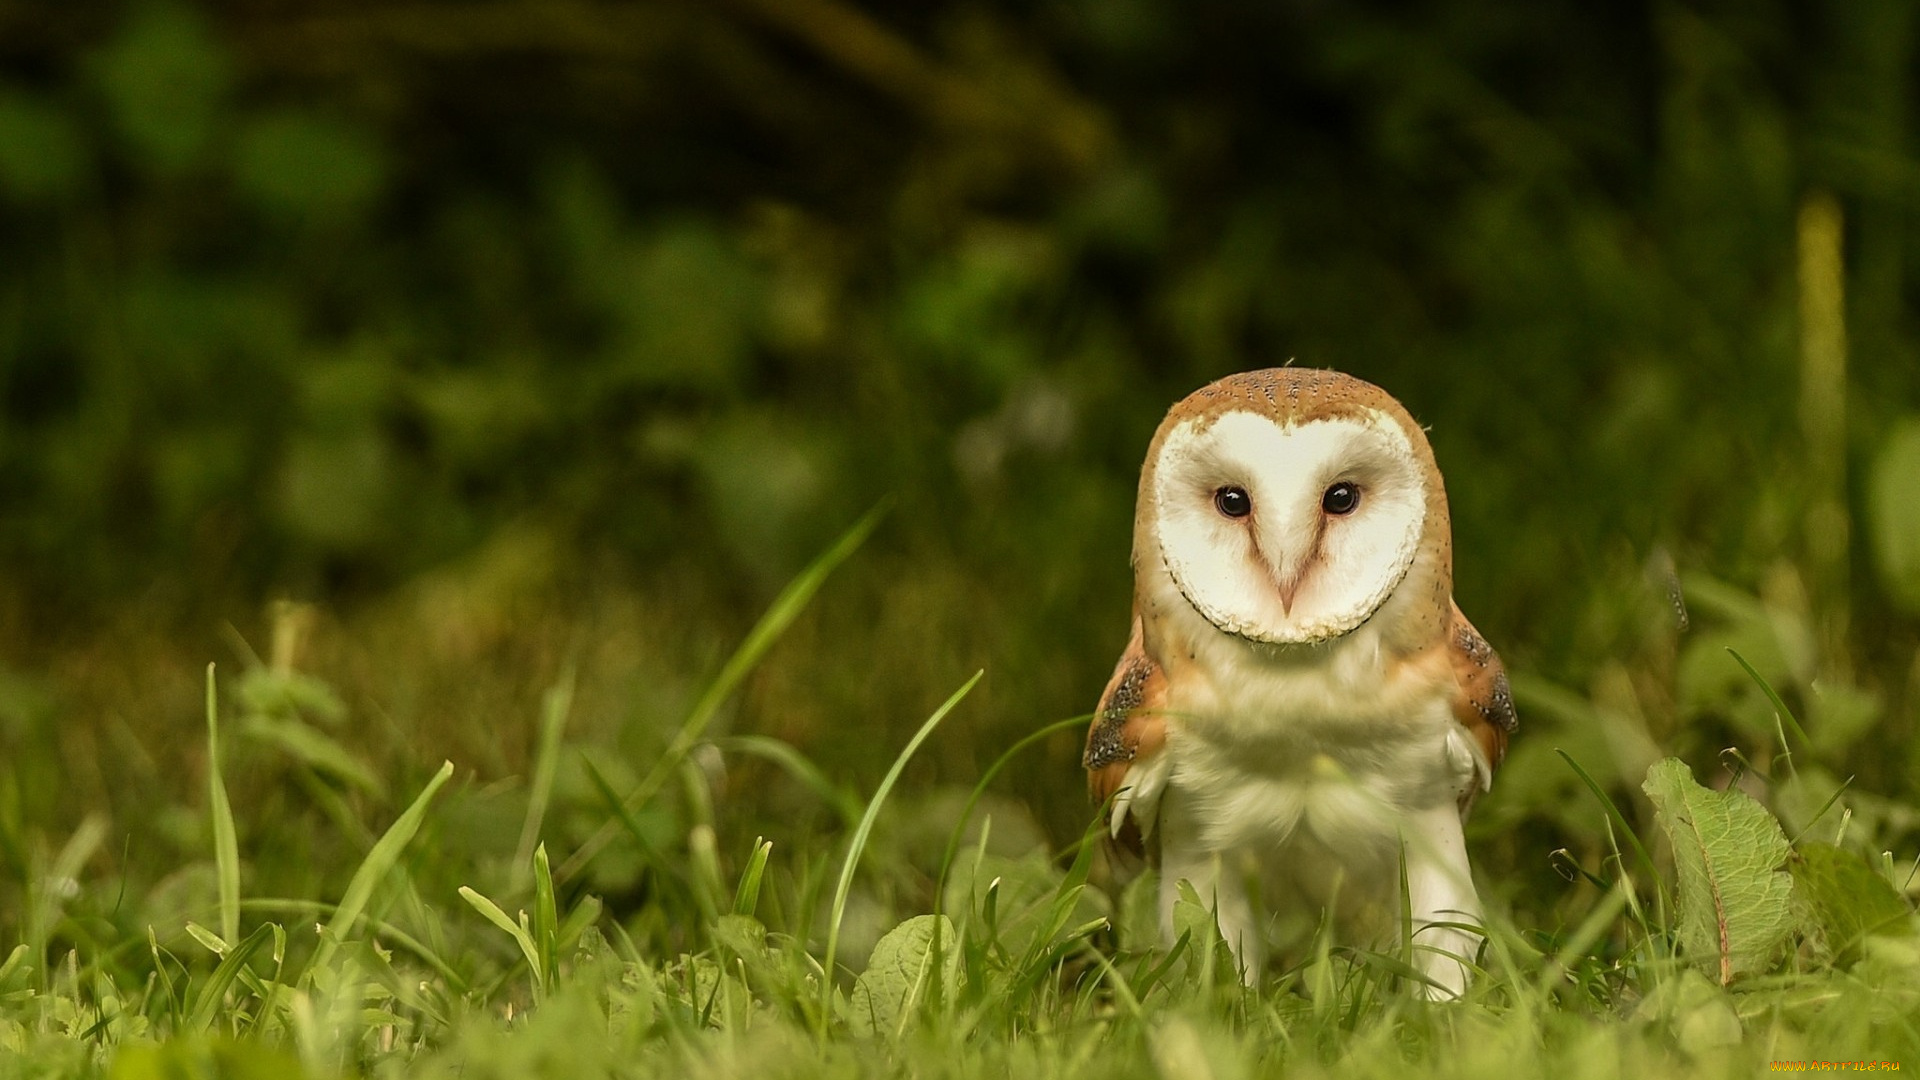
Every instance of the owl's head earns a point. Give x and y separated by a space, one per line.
1288 506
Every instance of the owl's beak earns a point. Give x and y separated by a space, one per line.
1288 587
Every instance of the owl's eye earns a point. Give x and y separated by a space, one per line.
1340 499
1234 502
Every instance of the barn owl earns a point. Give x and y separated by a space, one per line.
1301 709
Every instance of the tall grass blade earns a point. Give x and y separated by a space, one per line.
796 765
1588 933
386 851
746 899
1822 812
1620 820
1066 896
201 1018
555 707
226 843
785 609
980 789
1780 711
858 844
546 916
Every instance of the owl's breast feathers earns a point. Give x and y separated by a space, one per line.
1126 769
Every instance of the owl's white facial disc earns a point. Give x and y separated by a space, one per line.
1289 570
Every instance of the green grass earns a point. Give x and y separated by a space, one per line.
541 439
992 959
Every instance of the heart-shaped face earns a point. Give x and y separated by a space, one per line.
1282 531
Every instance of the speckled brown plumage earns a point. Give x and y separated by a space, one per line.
1106 743
1126 725
1241 695
1484 704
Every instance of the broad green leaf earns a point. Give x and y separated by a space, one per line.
901 973
1846 899
1734 899
1699 1015
744 935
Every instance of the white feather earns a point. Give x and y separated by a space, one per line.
1230 568
1139 797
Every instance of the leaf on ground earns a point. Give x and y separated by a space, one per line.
1846 899
1699 1015
1735 900
900 974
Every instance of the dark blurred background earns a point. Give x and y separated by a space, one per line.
509 335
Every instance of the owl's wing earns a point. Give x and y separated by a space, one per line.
1123 757
1483 704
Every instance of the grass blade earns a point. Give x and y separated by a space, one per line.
226 843
1780 710
785 609
201 1018
556 706
386 930
1822 812
1594 926
980 789
622 816
501 919
746 899
386 851
860 833
796 764
546 916
1619 819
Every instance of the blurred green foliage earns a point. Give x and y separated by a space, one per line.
522 333
317 298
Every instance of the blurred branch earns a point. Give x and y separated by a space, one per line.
849 39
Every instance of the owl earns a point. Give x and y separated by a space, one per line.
1302 711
